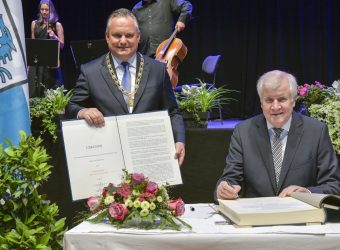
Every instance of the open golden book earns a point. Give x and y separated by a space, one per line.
296 209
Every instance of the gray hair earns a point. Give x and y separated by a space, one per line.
273 79
121 13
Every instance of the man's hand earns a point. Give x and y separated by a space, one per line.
227 192
180 152
179 26
290 189
92 116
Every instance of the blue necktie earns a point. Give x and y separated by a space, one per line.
126 80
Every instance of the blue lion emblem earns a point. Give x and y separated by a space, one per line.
6 48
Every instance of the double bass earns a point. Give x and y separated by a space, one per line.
172 52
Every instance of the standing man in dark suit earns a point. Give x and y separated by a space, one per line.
157 19
304 161
100 91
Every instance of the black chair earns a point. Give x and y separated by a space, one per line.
210 64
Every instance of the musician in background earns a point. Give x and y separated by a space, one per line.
49 77
156 19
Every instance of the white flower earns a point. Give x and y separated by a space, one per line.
145 205
152 206
136 203
144 212
128 203
108 200
336 86
159 198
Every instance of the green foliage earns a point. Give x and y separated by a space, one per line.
195 99
322 103
329 112
47 109
27 219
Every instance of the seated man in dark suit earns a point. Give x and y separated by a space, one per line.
123 81
279 151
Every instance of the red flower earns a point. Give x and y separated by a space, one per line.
146 195
104 192
124 190
177 206
94 203
151 188
118 211
137 178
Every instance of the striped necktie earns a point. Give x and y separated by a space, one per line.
277 152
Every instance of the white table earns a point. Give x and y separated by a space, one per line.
205 234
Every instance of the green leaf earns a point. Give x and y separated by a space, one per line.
59 225
7 218
98 217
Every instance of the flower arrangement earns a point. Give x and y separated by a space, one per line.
323 103
47 109
137 202
309 94
202 98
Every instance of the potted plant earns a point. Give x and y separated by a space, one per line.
47 111
196 101
322 103
27 218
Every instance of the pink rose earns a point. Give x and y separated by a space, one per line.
151 188
137 178
146 195
303 91
118 211
124 190
177 206
94 203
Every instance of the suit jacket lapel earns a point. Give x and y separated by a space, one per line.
117 94
264 145
144 79
293 141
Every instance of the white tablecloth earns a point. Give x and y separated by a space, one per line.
209 231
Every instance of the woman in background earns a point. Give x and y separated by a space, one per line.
46 26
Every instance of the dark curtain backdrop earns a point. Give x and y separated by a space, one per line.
253 36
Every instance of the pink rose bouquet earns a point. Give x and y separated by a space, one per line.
137 202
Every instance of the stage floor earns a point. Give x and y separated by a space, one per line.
218 124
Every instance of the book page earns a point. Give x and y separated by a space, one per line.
94 156
148 146
318 200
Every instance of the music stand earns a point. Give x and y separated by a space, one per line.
41 52
86 50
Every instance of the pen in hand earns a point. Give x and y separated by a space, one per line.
235 189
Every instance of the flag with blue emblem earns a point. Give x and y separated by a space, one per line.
14 108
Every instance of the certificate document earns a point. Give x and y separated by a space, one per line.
139 143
